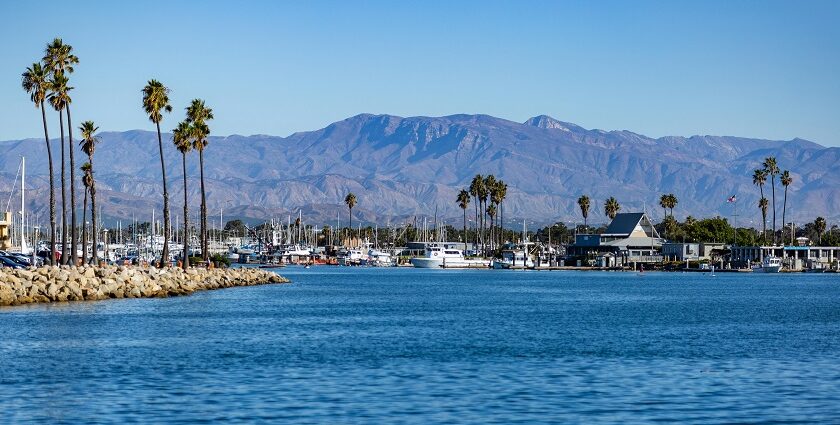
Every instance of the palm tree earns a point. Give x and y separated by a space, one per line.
87 183
611 207
88 144
197 115
819 226
476 190
762 204
35 81
59 59
664 201
491 212
182 138
464 202
59 99
156 100
502 192
489 184
672 202
583 203
772 168
350 201
786 180
495 199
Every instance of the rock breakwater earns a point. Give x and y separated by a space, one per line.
67 283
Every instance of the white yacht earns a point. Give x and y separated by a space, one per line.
770 264
350 257
442 257
379 258
514 259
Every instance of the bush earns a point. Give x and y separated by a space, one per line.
221 259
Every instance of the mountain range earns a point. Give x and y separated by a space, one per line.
400 168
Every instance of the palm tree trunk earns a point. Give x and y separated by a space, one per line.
204 254
186 260
94 219
350 230
64 248
465 231
74 237
475 207
773 184
784 210
84 228
164 256
52 186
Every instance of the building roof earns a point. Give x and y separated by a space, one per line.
627 224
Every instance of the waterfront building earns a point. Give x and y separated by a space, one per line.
630 238
5 225
794 257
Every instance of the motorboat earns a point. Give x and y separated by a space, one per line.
770 264
442 257
350 257
379 258
514 259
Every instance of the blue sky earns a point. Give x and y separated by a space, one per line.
747 68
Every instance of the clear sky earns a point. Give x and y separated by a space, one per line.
746 68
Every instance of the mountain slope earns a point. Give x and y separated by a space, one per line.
400 167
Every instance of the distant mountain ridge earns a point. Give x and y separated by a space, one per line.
401 167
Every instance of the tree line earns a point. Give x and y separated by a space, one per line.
47 81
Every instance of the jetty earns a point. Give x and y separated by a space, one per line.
67 283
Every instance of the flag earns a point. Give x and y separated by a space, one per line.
731 199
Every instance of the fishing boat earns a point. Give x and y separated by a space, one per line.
350 257
442 257
514 259
770 264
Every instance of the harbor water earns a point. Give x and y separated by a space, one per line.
366 345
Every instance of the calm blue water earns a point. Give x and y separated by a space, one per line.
353 345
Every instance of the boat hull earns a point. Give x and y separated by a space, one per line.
427 263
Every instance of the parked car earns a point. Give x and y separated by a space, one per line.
6 261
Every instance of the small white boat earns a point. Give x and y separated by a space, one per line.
350 257
379 258
448 258
770 264
513 259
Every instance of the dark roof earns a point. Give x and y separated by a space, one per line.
624 223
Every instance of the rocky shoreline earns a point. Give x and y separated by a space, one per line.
66 283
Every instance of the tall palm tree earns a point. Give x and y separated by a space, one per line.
182 138
491 212
819 226
59 98
87 183
35 81
88 144
762 204
495 199
664 202
464 202
583 203
476 189
759 178
502 192
672 202
771 167
611 207
59 59
156 101
350 201
489 184
197 115
786 180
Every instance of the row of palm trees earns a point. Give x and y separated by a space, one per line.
487 194
192 133
46 81
769 170
611 208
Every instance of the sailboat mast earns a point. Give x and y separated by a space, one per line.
22 202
